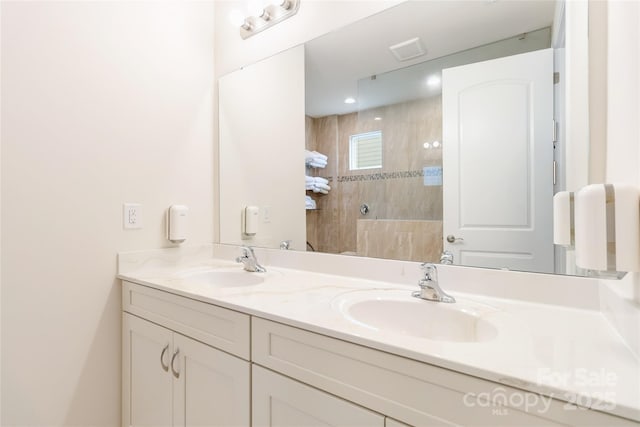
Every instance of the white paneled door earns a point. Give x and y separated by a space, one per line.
498 162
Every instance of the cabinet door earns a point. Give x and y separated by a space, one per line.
211 388
282 402
146 381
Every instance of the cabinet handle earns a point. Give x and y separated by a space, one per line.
164 367
175 373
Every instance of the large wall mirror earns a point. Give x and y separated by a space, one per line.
425 132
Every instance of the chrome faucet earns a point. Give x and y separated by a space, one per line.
285 245
446 258
248 258
430 290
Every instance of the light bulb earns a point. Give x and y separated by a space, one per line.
286 4
350 100
436 144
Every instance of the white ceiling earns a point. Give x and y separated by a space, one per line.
336 61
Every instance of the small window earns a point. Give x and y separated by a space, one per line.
365 150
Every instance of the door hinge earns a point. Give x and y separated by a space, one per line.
556 78
555 171
555 131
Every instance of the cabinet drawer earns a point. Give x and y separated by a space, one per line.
409 391
281 402
219 327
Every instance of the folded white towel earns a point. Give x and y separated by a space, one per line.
315 159
319 156
317 164
310 155
317 184
309 203
320 180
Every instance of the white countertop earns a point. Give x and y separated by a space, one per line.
571 354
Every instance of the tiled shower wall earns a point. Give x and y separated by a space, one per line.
394 192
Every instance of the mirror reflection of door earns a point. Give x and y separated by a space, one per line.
498 162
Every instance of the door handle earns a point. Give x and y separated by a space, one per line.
164 350
173 369
453 239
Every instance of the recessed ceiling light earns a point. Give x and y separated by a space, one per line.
377 118
350 100
433 81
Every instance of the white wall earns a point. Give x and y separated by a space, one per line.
577 95
623 114
262 159
102 103
623 138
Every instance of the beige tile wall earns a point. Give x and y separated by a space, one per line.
400 239
405 127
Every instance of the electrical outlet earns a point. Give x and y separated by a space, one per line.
132 215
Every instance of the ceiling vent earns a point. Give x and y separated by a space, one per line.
408 49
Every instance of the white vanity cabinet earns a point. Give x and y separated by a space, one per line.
187 362
405 391
170 379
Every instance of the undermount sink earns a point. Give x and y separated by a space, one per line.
223 277
396 311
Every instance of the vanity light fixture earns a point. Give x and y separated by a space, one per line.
350 100
262 15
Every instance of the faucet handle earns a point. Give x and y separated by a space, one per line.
446 257
430 271
285 245
247 251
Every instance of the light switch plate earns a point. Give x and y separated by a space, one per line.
132 216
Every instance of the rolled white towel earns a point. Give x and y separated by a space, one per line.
320 180
322 187
319 156
320 190
309 179
317 164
